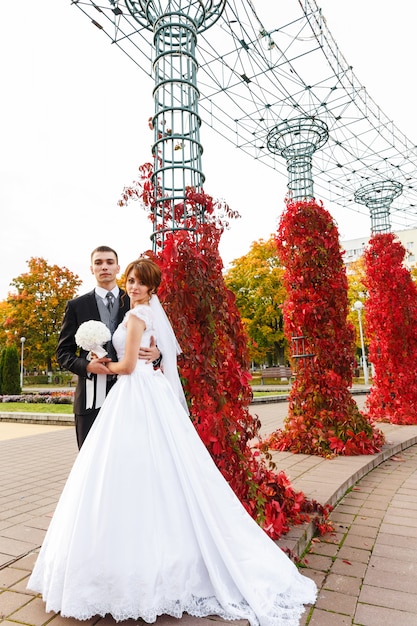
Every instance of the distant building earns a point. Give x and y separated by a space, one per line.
354 248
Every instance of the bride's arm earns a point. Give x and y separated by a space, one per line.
135 328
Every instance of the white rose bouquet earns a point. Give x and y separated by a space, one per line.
92 335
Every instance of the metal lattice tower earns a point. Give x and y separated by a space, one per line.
296 140
378 197
177 149
262 62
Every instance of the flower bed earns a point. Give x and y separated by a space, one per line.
41 397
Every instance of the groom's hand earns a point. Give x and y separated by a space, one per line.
150 354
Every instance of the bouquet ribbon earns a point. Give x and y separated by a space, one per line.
100 385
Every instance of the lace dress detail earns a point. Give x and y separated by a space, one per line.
146 525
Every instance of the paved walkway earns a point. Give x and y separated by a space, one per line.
366 570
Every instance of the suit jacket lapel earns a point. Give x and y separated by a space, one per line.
93 307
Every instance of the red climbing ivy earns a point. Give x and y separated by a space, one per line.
215 364
391 317
323 417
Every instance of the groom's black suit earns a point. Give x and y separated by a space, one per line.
72 358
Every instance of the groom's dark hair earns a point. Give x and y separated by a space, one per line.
104 249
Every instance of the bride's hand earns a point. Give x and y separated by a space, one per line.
99 366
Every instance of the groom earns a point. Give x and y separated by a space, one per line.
106 303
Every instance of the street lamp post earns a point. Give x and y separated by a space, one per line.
358 306
22 341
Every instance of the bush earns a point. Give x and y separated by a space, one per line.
10 377
40 379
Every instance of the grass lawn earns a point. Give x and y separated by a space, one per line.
24 407
67 409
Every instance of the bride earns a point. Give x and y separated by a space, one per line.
146 524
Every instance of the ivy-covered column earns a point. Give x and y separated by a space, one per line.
391 318
391 312
323 417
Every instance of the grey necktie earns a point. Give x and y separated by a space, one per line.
110 301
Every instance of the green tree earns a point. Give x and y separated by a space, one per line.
10 377
5 315
413 272
357 291
37 308
256 279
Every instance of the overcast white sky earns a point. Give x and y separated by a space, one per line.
73 120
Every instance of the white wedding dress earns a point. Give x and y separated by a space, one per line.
146 524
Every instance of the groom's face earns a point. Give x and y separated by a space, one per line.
105 268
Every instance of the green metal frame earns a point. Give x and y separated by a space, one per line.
378 197
296 140
177 149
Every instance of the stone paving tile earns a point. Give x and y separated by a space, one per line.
346 568
12 547
10 577
348 585
397 540
400 520
12 602
24 533
335 601
32 613
410 498
357 496
335 537
316 575
362 530
354 554
327 618
398 600
20 518
407 531
367 615
323 548
358 541
21 585
348 508
393 566
387 580
374 510
4 559
26 563
318 562
343 518
395 552
366 520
